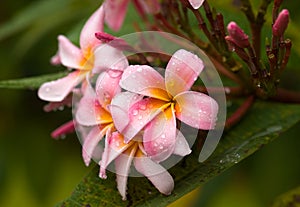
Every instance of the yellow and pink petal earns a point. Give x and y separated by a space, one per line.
144 80
196 109
160 135
182 71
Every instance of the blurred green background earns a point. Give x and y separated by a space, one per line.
36 170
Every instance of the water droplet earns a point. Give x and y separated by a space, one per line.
161 147
227 90
143 107
135 112
139 69
163 136
61 108
232 49
195 78
140 118
47 89
115 73
62 136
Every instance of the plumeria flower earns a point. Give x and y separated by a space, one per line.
115 10
165 100
133 151
90 57
92 111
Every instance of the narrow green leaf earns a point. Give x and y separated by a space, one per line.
29 15
290 198
30 83
264 123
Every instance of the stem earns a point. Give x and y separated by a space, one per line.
286 96
239 113
230 91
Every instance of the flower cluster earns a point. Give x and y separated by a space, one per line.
133 109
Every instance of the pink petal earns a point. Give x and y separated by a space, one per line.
108 57
94 24
120 106
107 86
91 142
140 114
160 136
64 129
57 90
115 11
182 71
90 112
144 80
196 109
196 3
55 60
159 176
122 166
182 147
70 55
114 146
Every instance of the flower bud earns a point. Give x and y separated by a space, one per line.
281 23
237 35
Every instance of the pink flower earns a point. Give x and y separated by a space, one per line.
163 102
126 153
91 56
237 35
281 23
92 111
115 10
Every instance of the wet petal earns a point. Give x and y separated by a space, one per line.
114 146
115 11
140 114
70 55
196 3
182 71
182 147
107 86
107 57
57 90
160 136
196 109
158 176
87 36
91 142
90 112
144 80
120 106
122 166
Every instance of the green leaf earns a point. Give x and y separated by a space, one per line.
29 15
290 198
264 122
30 83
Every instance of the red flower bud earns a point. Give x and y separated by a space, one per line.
281 23
237 35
